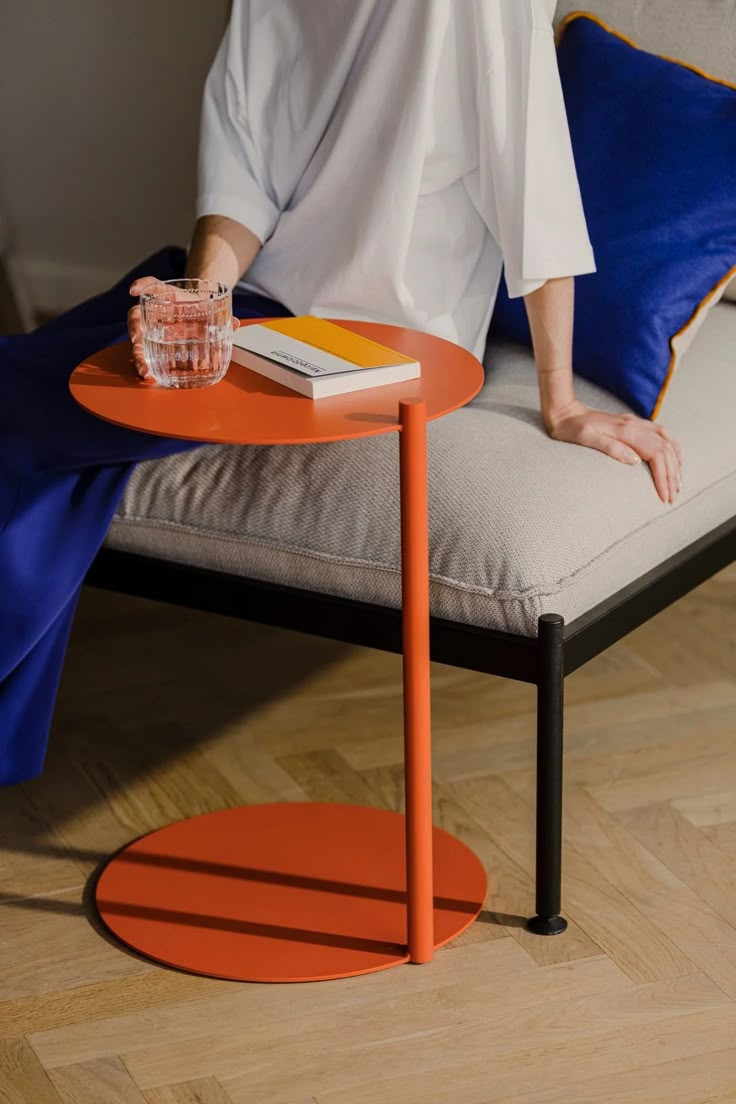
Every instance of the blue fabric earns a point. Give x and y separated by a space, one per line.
62 472
655 149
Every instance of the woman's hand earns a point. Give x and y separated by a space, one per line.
625 438
622 436
134 328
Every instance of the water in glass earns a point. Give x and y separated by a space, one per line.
187 332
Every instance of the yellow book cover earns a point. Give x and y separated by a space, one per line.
318 358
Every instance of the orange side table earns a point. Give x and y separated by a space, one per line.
303 892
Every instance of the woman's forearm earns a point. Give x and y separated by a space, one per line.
221 249
550 310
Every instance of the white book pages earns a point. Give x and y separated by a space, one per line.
298 355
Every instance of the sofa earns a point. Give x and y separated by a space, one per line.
542 554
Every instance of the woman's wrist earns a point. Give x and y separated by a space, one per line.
550 312
556 393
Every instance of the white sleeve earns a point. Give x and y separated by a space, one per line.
526 188
231 178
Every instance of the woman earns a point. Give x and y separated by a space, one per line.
380 159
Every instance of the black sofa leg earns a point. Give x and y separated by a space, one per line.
550 683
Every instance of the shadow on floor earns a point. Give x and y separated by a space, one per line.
145 684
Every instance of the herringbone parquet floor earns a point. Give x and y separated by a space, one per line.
164 713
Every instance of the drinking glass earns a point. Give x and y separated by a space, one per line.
186 327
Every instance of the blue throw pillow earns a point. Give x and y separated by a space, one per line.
655 149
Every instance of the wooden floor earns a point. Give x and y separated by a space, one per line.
164 713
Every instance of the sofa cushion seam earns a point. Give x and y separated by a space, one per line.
504 596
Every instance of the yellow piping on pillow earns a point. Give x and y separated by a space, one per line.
692 320
730 275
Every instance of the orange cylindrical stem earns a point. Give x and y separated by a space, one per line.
417 723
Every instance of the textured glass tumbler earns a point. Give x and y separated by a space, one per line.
187 331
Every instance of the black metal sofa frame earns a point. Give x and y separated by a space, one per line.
544 661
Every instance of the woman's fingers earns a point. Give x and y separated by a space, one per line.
143 281
619 450
671 484
671 440
666 472
662 453
672 463
136 343
658 467
134 328
673 469
139 361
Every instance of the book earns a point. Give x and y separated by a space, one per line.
318 358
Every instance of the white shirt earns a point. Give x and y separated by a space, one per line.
392 155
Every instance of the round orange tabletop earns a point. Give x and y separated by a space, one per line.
248 409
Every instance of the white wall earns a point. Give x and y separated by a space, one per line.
99 114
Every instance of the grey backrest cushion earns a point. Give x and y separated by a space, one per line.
699 32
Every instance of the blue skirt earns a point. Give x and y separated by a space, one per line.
62 473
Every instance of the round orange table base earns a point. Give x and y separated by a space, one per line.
284 892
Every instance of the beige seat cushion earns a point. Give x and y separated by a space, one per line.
520 524
695 31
